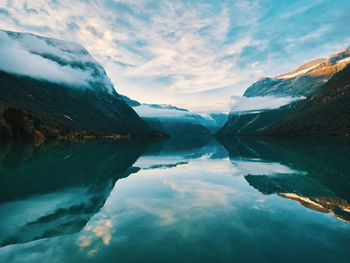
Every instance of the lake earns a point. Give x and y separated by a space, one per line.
178 200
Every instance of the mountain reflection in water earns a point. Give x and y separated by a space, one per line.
54 189
325 184
177 200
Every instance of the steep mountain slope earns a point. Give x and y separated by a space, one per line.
302 81
248 123
54 88
326 112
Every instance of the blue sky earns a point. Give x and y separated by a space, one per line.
193 54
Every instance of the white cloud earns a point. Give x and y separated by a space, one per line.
241 104
148 111
173 114
15 59
27 54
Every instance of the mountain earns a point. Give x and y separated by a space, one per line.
55 89
302 81
326 112
130 102
318 80
177 121
251 114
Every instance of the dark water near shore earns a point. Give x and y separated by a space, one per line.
179 200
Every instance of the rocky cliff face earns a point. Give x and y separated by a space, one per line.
59 90
302 81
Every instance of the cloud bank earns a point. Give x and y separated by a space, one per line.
256 104
49 59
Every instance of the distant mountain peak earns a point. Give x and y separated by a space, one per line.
303 80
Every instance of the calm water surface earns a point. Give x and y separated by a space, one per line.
179 200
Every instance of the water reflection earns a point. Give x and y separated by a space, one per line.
178 200
322 182
55 188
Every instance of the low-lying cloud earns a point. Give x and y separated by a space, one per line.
256 104
29 55
147 111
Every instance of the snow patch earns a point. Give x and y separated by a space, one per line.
344 60
296 74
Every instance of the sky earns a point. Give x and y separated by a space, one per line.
192 54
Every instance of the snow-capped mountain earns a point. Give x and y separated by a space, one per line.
62 87
302 81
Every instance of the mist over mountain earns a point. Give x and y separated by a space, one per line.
53 88
326 112
273 102
177 121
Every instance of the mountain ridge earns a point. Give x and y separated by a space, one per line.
302 81
56 89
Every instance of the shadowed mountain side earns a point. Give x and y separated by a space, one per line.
322 186
250 123
326 112
68 183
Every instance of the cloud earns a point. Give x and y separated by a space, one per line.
241 104
177 51
48 59
300 9
149 111
173 114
